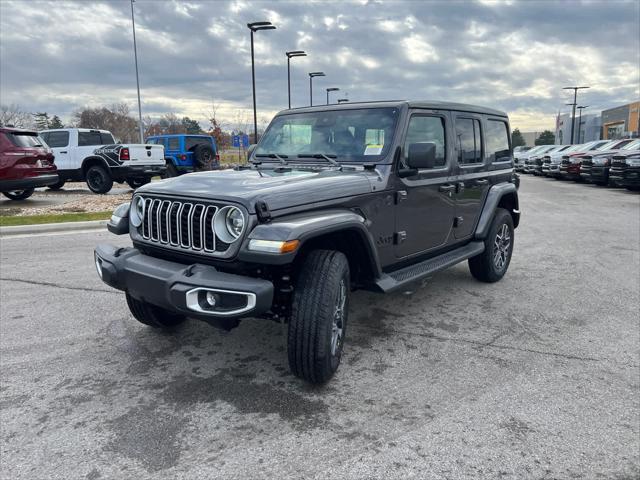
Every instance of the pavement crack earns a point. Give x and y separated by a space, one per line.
57 285
489 344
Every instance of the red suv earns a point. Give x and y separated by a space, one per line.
25 163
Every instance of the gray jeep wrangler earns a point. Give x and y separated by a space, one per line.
335 198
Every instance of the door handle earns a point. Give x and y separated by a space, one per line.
446 188
482 182
64 151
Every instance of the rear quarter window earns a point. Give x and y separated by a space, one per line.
497 141
191 142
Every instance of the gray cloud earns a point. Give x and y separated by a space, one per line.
57 56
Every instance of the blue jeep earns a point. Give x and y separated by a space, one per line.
187 153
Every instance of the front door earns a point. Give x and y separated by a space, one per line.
425 202
58 141
473 181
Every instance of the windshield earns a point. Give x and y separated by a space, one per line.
635 145
360 135
610 146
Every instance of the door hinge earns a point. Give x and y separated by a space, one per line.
401 195
400 237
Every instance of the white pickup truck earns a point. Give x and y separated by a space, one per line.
90 155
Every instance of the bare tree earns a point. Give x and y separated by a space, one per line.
116 119
14 115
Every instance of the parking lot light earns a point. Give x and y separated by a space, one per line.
332 89
254 27
580 107
311 75
575 99
290 55
135 56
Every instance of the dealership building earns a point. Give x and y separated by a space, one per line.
621 122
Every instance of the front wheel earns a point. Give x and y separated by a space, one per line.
491 265
153 316
19 194
98 179
319 314
57 186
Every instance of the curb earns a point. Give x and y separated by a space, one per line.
52 227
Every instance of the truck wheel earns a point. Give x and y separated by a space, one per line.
491 265
151 315
203 156
137 182
57 186
98 179
172 171
19 194
319 316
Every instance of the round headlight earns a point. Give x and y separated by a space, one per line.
136 213
228 224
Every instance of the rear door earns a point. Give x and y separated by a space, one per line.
425 203
472 183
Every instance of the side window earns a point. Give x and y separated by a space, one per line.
497 140
45 137
152 141
86 139
468 138
57 139
424 129
106 138
174 143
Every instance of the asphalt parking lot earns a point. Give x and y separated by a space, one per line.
536 376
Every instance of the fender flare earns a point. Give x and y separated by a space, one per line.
305 227
496 193
94 159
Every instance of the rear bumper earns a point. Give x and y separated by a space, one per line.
136 171
28 182
181 288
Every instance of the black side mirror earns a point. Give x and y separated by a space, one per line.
421 155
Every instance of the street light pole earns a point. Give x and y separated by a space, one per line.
575 99
254 27
135 56
311 75
581 107
294 53
332 89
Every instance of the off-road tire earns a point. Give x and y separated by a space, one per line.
137 182
484 267
171 171
19 194
98 179
57 186
203 156
153 316
322 285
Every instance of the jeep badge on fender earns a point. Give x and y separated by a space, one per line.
369 196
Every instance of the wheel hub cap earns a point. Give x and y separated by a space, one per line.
501 246
337 327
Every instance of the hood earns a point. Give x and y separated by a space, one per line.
279 189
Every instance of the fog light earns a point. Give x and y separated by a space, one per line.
212 299
98 261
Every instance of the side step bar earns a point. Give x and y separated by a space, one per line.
389 282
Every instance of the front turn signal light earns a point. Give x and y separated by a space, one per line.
273 246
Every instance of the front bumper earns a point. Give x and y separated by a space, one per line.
628 177
182 288
27 183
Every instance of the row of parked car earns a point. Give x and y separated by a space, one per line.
50 158
603 162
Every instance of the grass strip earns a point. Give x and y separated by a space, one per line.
10 221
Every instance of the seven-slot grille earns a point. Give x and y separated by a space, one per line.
181 224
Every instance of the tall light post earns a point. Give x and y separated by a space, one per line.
332 89
254 27
343 100
575 99
290 55
581 107
135 56
311 75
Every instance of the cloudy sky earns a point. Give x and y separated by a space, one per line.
59 55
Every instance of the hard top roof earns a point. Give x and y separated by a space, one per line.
426 104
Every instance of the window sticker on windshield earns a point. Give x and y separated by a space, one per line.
373 149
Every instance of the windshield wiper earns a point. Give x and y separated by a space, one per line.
280 157
328 158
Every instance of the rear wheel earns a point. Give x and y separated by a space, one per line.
172 171
491 265
137 182
98 179
19 194
57 186
319 316
153 316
